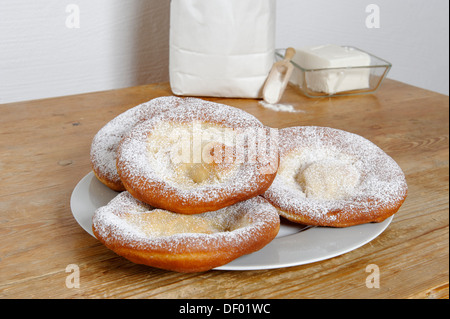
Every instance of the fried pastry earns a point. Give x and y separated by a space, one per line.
329 177
184 243
200 157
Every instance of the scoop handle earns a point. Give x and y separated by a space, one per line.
290 52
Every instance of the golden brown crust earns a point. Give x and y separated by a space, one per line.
333 178
157 195
154 183
115 185
237 230
357 217
105 142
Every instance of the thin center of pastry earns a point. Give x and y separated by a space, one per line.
329 180
198 172
192 154
321 174
160 222
216 162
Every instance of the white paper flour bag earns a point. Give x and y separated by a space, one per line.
221 48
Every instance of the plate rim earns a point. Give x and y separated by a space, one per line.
234 265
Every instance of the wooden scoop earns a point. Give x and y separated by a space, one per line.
278 78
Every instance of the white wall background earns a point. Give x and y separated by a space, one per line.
120 43
123 43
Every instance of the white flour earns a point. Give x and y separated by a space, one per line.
280 107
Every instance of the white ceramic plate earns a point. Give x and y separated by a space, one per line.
293 246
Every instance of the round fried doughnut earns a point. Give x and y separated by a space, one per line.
184 243
105 142
329 177
201 157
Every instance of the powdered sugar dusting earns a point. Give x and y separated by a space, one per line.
376 182
167 143
238 226
107 139
137 166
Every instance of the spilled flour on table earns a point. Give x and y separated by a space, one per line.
280 107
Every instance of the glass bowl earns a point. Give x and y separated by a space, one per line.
310 81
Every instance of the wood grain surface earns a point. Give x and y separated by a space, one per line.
45 152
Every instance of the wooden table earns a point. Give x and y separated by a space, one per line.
45 152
